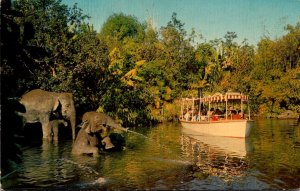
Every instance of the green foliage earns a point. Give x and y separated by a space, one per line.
48 50
134 72
121 26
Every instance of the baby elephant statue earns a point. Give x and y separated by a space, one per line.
86 141
53 128
95 125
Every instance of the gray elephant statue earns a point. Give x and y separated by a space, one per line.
87 141
40 105
54 128
94 124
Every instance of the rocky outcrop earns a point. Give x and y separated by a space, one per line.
288 115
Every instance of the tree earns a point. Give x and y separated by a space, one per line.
55 26
209 70
13 50
122 26
274 74
177 52
89 78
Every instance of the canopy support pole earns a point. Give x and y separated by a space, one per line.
199 110
193 109
226 105
182 105
249 110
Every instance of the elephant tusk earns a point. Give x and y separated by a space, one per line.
81 124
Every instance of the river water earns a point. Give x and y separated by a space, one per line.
170 159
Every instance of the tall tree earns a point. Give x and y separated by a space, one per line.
122 26
55 26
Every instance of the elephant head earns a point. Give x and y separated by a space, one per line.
100 122
64 104
91 123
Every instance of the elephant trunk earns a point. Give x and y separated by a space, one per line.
73 125
121 128
113 124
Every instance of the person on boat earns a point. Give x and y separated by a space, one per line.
241 114
219 113
196 116
234 115
187 116
203 116
230 111
211 112
215 115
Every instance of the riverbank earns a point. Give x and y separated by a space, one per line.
286 114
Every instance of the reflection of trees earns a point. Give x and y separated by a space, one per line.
148 161
276 151
212 161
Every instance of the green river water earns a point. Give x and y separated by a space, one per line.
170 159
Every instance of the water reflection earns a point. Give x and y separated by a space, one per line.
216 158
221 163
51 165
276 156
269 159
170 159
238 147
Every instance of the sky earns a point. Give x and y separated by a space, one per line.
250 19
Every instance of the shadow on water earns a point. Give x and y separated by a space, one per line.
170 159
34 135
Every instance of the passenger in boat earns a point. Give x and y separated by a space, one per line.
235 115
214 118
187 116
213 115
211 112
196 116
219 113
230 110
203 116
241 114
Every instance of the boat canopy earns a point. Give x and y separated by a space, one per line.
218 97
230 103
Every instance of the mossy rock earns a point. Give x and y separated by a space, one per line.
288 115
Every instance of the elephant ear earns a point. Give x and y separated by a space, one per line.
56 104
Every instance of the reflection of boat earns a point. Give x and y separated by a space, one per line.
212 157
229 145
198 115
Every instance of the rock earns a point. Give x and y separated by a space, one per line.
288 115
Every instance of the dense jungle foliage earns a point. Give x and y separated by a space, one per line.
135 72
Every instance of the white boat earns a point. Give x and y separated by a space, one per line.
227 124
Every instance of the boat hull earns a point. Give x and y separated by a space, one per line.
224 128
